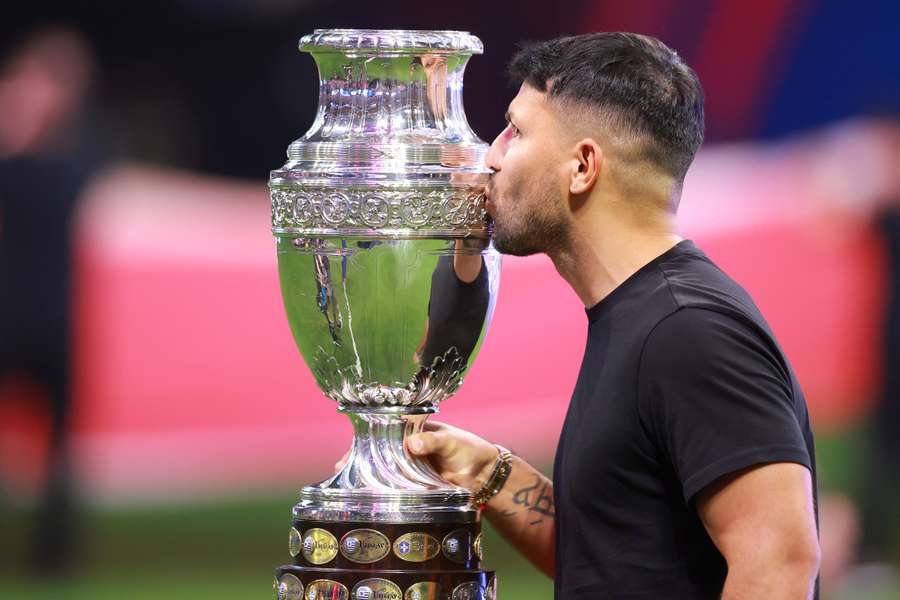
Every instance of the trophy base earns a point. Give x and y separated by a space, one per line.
385 526
308 583
373 560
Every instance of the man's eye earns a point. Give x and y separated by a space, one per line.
514 131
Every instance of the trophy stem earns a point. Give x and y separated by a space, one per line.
378 457
381 481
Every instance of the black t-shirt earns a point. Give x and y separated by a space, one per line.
682 382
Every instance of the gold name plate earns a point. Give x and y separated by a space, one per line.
376 589
319 546
365 546
416 547
424 590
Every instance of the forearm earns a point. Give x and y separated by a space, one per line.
523 512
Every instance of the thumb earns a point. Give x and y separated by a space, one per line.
426 443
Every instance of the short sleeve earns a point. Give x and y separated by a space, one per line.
716 398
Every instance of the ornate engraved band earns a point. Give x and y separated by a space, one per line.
452 212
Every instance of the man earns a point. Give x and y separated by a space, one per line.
685 465
48 154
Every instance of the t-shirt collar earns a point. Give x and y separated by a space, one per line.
614 297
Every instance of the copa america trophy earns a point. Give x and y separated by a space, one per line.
389 281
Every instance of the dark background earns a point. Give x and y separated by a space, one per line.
221 87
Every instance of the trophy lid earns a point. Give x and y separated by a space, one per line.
391 41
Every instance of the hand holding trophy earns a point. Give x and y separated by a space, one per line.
389 281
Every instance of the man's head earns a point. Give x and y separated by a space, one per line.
619 111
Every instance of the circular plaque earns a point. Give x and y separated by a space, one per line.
457 546
288 588
424 590
295 542
416 547
319 546
469 591
416 211
326 588
376 589
365 546
479 551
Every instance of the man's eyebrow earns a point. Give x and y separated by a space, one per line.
509 117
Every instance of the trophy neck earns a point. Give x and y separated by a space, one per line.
388 99
378 458
391 99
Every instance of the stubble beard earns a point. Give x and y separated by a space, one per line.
534 225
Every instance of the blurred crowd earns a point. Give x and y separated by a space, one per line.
219 89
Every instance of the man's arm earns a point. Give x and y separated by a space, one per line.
523 511
763 522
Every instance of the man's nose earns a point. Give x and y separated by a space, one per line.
494 154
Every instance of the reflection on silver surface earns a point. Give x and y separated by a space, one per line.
387 273
388 322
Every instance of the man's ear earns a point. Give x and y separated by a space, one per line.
588 162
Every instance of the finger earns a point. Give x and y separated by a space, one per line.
342 463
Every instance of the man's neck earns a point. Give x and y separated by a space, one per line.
596 264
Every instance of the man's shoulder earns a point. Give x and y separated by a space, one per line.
681 296
707 311
701 341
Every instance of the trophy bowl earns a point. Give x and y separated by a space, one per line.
389 281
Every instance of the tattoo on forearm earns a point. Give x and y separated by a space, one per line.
537 499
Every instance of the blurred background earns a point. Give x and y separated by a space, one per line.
156 420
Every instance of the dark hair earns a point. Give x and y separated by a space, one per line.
633 81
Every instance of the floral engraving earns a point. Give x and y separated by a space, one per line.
456 210
302 209
334 208
416 210
374 211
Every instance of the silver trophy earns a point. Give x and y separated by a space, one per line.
389 282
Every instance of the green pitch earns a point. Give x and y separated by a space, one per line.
226 551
